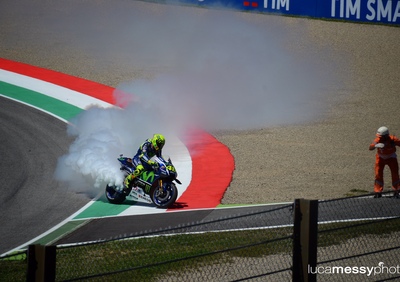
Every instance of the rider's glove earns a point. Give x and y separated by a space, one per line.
379 145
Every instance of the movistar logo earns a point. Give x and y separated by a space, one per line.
148 176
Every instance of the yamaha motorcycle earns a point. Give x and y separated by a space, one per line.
154 187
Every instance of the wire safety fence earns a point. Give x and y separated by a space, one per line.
357 240
214 249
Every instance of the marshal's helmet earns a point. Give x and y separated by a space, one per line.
158 141
382 131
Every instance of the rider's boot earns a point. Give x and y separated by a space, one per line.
130 181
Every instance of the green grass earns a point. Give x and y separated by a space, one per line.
149 258
13 268
338 233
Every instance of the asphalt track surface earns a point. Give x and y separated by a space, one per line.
31 201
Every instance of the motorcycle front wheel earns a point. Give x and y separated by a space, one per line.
164 198
114 196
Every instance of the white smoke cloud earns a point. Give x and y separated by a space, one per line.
102 134
213 69
222 70
91 160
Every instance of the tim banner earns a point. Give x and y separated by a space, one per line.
372 11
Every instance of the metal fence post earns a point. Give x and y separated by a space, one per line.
32 264
41 263
305 234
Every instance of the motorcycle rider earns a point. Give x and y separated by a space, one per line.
386 155
142 160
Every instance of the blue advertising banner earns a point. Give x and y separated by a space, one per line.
372 11
383 11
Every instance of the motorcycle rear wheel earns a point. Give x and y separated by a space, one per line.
114 196
164 199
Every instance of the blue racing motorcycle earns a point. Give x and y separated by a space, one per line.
154 186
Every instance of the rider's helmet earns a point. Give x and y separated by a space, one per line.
382 131
158 141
